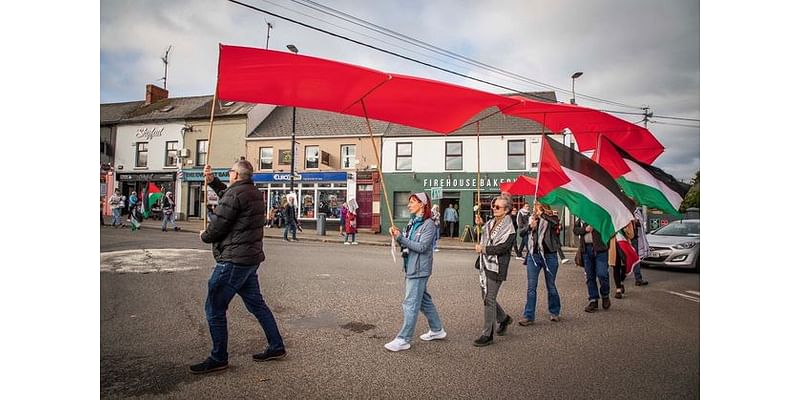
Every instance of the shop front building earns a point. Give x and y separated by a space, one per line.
194 189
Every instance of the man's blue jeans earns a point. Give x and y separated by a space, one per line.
637 272
168 217
535 264
227 280
596 268
116 213
293 227
417 297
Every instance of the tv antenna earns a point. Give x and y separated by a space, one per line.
165 59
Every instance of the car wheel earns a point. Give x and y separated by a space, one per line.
697 264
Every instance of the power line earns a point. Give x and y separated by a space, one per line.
674 124
430 47
682 119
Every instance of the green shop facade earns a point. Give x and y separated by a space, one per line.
457 188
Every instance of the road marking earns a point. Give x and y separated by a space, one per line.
154 260
693 292
685 296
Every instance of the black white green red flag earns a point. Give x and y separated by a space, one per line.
648 185
569 178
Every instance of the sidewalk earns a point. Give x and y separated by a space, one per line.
309 234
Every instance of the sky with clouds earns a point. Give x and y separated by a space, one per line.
634 52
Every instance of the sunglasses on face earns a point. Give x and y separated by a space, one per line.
496 207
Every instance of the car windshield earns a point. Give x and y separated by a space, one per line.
680 228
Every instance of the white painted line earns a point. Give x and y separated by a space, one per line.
685 296
693 292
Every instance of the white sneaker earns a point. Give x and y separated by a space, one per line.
346 242
564 260
431 335
355 242
397 345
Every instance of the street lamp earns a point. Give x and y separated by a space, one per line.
294 50
574 76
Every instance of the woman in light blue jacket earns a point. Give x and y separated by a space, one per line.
417 241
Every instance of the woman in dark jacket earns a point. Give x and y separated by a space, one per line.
497 239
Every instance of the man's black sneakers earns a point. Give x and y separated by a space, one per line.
269 355
209 365
483 341
501 330
606 303
591 307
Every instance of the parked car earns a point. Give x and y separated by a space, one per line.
676 245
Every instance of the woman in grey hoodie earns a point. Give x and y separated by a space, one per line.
416 241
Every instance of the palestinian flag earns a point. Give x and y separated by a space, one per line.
648 185
628 252
569 178
151 195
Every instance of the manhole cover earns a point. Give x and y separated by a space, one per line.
358 326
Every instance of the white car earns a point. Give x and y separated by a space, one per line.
676 245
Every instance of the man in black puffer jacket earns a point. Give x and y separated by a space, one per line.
236 232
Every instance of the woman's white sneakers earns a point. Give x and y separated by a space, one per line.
397 345
431 335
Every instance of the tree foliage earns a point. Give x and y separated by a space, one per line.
692 198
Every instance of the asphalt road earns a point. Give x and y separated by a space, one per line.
337 305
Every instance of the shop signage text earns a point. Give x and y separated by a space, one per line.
146 177
463 183
149 133
196 174
305 177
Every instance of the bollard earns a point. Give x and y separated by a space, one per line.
321 224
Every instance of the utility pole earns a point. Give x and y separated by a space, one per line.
269 27
165 59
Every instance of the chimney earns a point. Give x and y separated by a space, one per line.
154 93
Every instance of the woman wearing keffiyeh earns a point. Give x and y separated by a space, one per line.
497 239
416 242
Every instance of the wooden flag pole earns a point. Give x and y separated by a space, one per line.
539 168
478 128
208 157
380 168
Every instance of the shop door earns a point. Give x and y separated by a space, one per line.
364 200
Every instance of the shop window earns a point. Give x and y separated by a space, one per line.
516 154
330 200
141 154
312 157
265 157
306 203
171 157
453 156
202 152
403 152
401 205
348 156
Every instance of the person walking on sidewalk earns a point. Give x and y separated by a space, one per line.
523 216
416 242
116 202
168 212
236 235
290 213
639 242
617 261
497 238
595 265
436 216
350 227
542 256
450 218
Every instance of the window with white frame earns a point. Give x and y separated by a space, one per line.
171 156
312 157
516 154
403 153
141 154
453 156
202 152
265 158
348 156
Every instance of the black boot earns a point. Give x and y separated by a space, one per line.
591 307
483 341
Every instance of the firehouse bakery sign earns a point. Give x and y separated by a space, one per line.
149 133
463 183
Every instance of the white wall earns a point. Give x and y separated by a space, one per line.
128 135
428 153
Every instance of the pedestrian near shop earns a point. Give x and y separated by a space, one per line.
617 261
494 252
133 201
236 235
168 212
542 256
594 253
515 248
416 242
450 218
290 213
523 216
351 228
639 242
342 219
116 202
436 216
